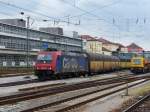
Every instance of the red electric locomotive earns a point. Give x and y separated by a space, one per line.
46 63
59 64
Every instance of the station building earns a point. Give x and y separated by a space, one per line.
13 43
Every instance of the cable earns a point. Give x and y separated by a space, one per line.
41 5
34 12
28 10
90 13
93 9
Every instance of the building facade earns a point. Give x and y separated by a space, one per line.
124 49
106 51
16 22
14 44
85 38
112 46
94 46
52 30
134 48
109 45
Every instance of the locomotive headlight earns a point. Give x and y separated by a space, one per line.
50 68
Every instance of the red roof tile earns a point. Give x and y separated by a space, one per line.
109 42
87 37
104 41
119 44
134 46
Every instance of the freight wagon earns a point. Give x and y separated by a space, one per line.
102 63
125 59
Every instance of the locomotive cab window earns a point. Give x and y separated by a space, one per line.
44 58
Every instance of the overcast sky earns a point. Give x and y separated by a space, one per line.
123 21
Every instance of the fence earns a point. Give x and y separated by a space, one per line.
15 70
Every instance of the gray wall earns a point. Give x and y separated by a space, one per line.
16 22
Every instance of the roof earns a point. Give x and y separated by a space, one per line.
119 44
93 40
87 37
134 46
109 42
104 41
104 49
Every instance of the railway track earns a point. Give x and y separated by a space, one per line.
16 83
135 107
64 107
27 95
19 83
41 87
60 106
16 74
70 96
48 85
24 96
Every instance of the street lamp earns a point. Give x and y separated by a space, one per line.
27 39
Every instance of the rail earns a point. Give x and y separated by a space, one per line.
26 95
136 104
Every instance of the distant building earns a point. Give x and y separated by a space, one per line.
73 34
103 46
134 48
94 46
106 51
109 45
122 48
52 30
15 22
85 38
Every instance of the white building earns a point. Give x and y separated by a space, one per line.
94 46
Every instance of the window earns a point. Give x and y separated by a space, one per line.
44 58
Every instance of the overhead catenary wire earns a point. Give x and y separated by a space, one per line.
36 13
45 6
74 4
105 6
92 14
49 18
96 16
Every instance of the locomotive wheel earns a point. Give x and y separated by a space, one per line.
143 71
41 78
85 75
58 76
76 74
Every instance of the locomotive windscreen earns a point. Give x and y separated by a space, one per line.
44 58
